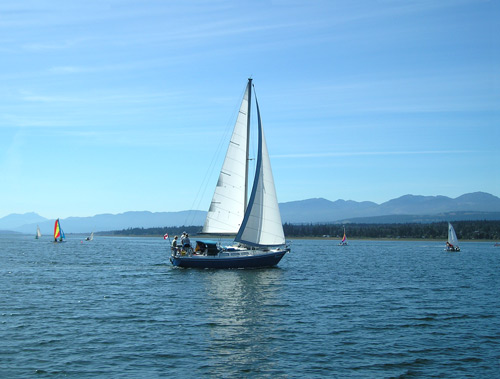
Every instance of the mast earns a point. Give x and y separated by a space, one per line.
248 142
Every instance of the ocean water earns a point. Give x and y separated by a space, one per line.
114 307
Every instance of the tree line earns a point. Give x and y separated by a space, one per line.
143 232
471 230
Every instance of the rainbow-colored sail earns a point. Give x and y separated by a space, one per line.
57 230
344 240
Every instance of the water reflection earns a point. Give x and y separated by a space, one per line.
242 311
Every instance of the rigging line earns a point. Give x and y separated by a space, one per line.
223 142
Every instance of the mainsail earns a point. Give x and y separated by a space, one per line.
228 203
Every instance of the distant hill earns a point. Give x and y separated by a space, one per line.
15 220
424 219
322 210
407 208
106 222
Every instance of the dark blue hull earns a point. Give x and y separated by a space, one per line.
256 261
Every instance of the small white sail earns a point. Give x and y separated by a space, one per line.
452 236
38 233
262 223
228 203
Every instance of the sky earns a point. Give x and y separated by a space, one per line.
114 106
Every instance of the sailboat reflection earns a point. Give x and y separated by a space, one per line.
244 312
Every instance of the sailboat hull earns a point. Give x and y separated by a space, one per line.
252 261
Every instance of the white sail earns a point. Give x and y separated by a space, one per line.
38 233
452 236
228 203
262 223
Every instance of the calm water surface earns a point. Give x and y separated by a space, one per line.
114 307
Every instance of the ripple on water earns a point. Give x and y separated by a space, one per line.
116 308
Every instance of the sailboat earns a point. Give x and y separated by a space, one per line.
38 234
260 240
344 240
90 238
58 232
452 243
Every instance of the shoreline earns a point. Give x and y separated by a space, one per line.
320 238
194 237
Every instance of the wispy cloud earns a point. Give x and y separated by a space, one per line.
101 97
73 69
371 153
52 45
49 99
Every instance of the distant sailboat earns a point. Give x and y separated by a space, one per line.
58 232
260 240
452 243
90 238
38 233
344 240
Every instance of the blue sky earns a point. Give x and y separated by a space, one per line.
111 106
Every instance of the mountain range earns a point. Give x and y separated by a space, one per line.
322 210
408 208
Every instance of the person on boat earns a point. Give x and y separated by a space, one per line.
175 248
183 236
187 242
